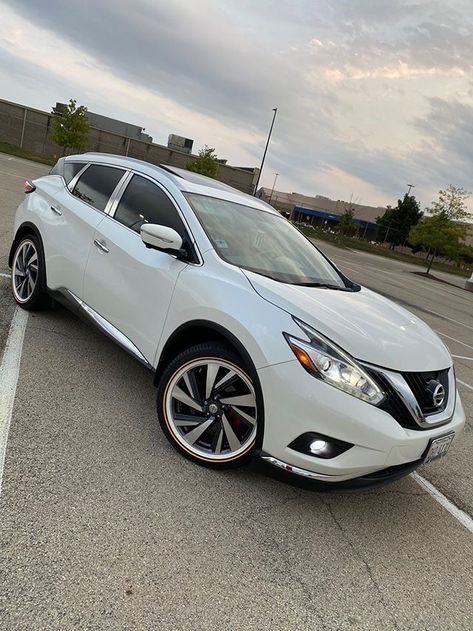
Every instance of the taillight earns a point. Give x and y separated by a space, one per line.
29 187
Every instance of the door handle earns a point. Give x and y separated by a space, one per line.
101 246
56 210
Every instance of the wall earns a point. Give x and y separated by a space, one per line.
29 129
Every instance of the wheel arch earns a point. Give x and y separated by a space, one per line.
24 229
198 331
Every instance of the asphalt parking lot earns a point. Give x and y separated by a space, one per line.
105 526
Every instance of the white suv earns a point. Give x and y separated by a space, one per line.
258 343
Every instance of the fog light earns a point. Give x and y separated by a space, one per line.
317 446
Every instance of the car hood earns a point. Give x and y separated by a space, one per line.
368 326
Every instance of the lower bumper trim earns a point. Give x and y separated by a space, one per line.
339 483
303 472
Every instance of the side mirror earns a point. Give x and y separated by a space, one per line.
160 237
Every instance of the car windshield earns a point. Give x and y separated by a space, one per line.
263 242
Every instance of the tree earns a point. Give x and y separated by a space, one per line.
451 204
346 225
442 231
70 129
399 220
205 164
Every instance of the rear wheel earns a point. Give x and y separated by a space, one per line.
29 274
207 406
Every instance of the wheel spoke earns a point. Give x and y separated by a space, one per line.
212 371
230 434
246 400
180 395
19 264
22 287
30 284
33 258
197 432
230 374
189 380
23 256
182 420
217 446
245 416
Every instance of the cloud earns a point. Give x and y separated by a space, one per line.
360 86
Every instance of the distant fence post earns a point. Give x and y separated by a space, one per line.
23 128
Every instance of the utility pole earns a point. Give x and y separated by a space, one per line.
272 190
275 111
409 189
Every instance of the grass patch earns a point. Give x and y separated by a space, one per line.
344 242
13 150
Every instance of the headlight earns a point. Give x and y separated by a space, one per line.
327 362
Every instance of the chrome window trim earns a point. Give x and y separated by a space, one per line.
426 421
73 182
121 191
117 194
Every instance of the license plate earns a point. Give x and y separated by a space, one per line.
438 448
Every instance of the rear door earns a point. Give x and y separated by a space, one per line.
71 220
125 282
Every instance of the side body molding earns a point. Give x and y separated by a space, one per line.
106 327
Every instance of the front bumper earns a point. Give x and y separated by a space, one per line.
295 403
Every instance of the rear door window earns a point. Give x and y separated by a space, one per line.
96 184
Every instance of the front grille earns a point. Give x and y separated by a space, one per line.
418 382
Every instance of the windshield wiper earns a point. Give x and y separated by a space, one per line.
325 286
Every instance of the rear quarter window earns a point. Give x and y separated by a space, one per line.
71 169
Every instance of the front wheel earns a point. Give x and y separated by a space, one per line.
207 406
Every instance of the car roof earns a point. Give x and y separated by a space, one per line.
186 181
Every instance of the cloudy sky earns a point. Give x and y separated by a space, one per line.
372 94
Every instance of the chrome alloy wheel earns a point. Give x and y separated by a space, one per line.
25 271
210 408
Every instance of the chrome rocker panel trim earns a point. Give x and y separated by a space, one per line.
106 327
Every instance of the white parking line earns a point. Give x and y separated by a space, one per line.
20 177
9 371
462 357
5 275
454 339
467 385
459 515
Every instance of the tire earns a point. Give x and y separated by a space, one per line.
202 386
29 274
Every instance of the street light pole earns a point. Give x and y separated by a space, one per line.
275 111
272 190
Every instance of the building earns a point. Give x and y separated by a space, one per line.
320 210
111 124
326 212
29 129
